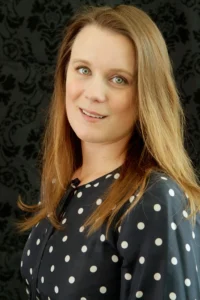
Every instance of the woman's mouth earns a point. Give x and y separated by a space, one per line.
89 116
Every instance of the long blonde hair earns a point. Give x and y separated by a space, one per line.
157 142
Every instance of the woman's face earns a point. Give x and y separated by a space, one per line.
101 78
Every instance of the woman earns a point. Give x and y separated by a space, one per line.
118 216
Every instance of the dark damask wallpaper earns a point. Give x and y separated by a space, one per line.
30 32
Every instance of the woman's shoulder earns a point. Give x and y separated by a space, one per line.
161 211
162 203
163 189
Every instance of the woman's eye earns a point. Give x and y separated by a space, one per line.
83 70
120 80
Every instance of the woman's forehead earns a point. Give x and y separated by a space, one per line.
102 46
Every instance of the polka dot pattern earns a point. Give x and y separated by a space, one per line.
102 238
71 279
128 276
142 260
103 289
155 237
157 276
64 239
93 269
173 226
139 294
99 201
115 258
158 242
157 207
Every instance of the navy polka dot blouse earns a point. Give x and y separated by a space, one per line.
153 255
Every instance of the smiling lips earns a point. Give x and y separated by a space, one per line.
92 113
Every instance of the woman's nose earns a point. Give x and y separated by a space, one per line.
95 89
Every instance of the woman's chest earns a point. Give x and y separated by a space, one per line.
72 265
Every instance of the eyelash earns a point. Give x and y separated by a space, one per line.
124 79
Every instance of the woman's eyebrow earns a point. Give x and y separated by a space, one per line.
112 69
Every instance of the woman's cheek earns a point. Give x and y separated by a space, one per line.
73 89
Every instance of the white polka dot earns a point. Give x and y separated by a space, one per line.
71 279
174 261
119 229
27 281
103 289
93 269
28 252
56 289
140 225
83 298
185 214
173 226
171 192
38 242
196 268
139 294
157 276
124 245
84 249
64 220
49 298
96 184
37 224
187 247
52 268
80 211
81 229
79 195
21 264
193 234
157 207
158 242
187 282
172 296
164 178
50 249
88 185
131 199
42 279
31 271
99 201
115 258
67 258
116 176
107 176
64 239
128 276
142 260
102 238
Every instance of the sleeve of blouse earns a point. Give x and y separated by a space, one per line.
158 248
